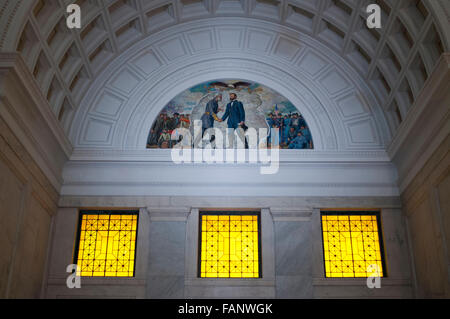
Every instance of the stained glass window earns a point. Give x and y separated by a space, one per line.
352 245
107 244
229 246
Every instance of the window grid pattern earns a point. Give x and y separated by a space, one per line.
352 245
229 246
107 244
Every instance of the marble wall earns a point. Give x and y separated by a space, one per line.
27 206
292 257
427 209
166 259
32 156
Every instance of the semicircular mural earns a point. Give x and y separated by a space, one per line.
231 104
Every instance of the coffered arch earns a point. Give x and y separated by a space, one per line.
298 91
341 110
394 62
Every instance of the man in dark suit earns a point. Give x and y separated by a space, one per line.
235 114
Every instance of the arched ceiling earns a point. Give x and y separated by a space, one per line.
355 84
118 111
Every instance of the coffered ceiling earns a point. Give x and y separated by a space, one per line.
393 62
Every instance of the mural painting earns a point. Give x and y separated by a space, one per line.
230 104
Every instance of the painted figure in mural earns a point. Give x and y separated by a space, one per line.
299 142
291 135
295 122
270 120
164 139
260 107
307 134
156 130
210 115
235 114
167 123
286 125
185 121
173 122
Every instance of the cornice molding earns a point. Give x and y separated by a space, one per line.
304 205
30 118
286 156
168 214
429 118
8 15
112 178
438 80
127 129
14 15
13 61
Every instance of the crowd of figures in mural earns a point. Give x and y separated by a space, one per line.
164 127
230 105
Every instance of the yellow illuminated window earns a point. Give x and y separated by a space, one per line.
352 245
107 244
229 246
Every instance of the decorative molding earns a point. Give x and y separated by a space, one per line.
290 215
128 129
91 281
359 282
168 214
28 114
430 116
229 282
166 80
305 203
286 156
15 63
438 80
168 179
11 9
301 17
445 8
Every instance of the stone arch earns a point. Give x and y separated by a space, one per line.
332 96
377 57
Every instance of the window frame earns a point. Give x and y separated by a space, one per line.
106 212
228 213
377 214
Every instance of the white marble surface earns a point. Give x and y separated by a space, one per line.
291 246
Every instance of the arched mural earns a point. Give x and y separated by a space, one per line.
231 104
